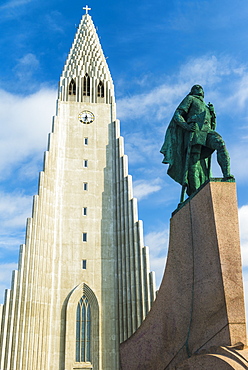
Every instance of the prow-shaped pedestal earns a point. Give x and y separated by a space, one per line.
200 304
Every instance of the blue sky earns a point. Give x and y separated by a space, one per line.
155 51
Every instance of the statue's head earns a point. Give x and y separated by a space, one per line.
197 90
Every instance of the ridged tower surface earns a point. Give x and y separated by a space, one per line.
84 242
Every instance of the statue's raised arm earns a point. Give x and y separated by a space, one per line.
190 140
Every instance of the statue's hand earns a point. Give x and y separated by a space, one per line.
211 110
211 107
191 126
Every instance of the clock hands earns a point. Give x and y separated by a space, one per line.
86 117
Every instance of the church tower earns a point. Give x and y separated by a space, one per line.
83 283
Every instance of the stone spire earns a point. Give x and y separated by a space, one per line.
86 76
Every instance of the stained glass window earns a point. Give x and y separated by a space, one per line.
83 331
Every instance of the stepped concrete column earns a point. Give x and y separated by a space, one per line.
200 304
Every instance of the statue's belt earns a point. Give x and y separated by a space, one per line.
200 137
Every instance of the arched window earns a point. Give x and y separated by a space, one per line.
72 88
86 85
100 90
83 331
82 347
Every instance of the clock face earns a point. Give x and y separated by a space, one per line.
86 117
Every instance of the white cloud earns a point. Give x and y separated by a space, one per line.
139 147
14 4
239 161
25 122
208 70
239 97
11 242
143 188
29 60
157 241
149 104
5 268
14 209
55 21
26 67
5 277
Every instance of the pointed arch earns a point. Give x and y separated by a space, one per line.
72 87
82 328
86 85
100 90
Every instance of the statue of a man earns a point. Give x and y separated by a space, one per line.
190 140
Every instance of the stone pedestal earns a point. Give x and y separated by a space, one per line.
200 304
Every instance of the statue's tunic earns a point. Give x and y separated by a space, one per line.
191 109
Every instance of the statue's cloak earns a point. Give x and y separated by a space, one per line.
174 150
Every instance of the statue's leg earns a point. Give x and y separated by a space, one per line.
193 173
215 141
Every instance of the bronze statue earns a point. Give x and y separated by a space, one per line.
190 140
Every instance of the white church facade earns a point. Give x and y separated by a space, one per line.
83 283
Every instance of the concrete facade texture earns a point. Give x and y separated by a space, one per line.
84 238
200 304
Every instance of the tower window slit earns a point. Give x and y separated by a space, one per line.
72 87
100 90
84 237
86 85
85 186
